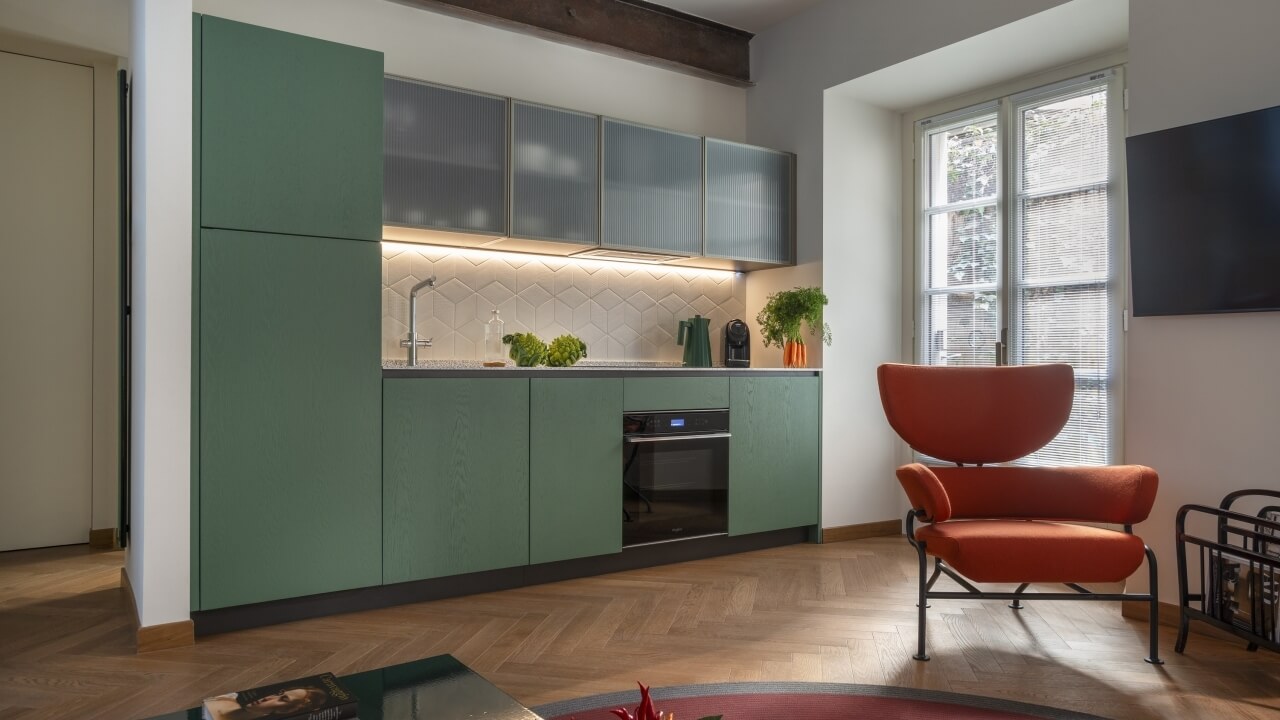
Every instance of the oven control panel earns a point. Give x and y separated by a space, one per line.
676 422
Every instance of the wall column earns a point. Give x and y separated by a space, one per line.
158 562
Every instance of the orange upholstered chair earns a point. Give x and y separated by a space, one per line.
1011 524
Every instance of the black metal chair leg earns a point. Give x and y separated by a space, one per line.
1183 626
1154 618
1017 602
923 603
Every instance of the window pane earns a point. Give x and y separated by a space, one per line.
1064 143
962 247
963 163
960 329
1086 438
1066 324
1065 235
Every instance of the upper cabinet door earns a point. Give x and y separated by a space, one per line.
749 203
555 180
652 189
291 133
446 159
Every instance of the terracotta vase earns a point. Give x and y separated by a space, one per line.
795 354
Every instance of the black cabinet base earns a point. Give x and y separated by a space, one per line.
208 622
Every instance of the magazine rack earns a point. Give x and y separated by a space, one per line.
1239 571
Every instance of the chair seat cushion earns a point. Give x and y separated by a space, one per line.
1018 551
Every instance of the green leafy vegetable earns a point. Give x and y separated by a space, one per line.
565 351
526 349
785 311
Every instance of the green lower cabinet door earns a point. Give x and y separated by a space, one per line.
575 468
455 489
290 417
774 478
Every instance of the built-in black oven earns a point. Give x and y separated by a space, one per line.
675 475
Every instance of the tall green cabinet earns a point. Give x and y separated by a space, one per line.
774 458
286 397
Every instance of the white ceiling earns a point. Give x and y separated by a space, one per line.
1057 37
750 15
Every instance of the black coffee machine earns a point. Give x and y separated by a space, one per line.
737 344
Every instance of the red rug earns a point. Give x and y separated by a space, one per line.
808 701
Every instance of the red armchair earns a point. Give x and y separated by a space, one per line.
1011 524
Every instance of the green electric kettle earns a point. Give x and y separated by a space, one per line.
695 336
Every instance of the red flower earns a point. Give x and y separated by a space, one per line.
645 711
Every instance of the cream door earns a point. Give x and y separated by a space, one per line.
46 313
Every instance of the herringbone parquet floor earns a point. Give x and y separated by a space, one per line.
839 612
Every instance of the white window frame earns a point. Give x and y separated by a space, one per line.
1006 108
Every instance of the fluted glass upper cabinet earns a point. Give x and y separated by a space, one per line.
652 189
445 163
555 175
750 206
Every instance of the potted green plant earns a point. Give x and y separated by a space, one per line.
782 319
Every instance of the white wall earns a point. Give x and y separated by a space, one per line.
101 25
158 561
861 228
794 64
106 296
106 261
444 49
1203 405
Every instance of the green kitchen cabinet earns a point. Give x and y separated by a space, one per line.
455 492
575 468
289 416
291 133
643 394
774 456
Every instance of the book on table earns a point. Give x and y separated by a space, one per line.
319 697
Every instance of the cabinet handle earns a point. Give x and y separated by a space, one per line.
673 438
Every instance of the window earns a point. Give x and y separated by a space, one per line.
1019 246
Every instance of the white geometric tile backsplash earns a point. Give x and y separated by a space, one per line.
622 312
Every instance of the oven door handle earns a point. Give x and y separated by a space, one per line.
631 439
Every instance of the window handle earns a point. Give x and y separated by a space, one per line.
1002 347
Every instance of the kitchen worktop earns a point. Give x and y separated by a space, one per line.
586 368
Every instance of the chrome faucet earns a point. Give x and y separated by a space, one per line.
412 341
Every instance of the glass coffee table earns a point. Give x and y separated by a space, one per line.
439 688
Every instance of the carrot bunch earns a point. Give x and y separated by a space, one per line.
795 354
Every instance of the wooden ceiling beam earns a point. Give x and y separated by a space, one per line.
633 29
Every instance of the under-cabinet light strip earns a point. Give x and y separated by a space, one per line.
555 261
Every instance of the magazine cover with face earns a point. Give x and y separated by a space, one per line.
1247 594
320 697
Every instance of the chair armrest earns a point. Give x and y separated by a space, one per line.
1120 494
925 492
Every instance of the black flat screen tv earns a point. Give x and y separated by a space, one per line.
1204 216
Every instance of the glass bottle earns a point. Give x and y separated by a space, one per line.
493 350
